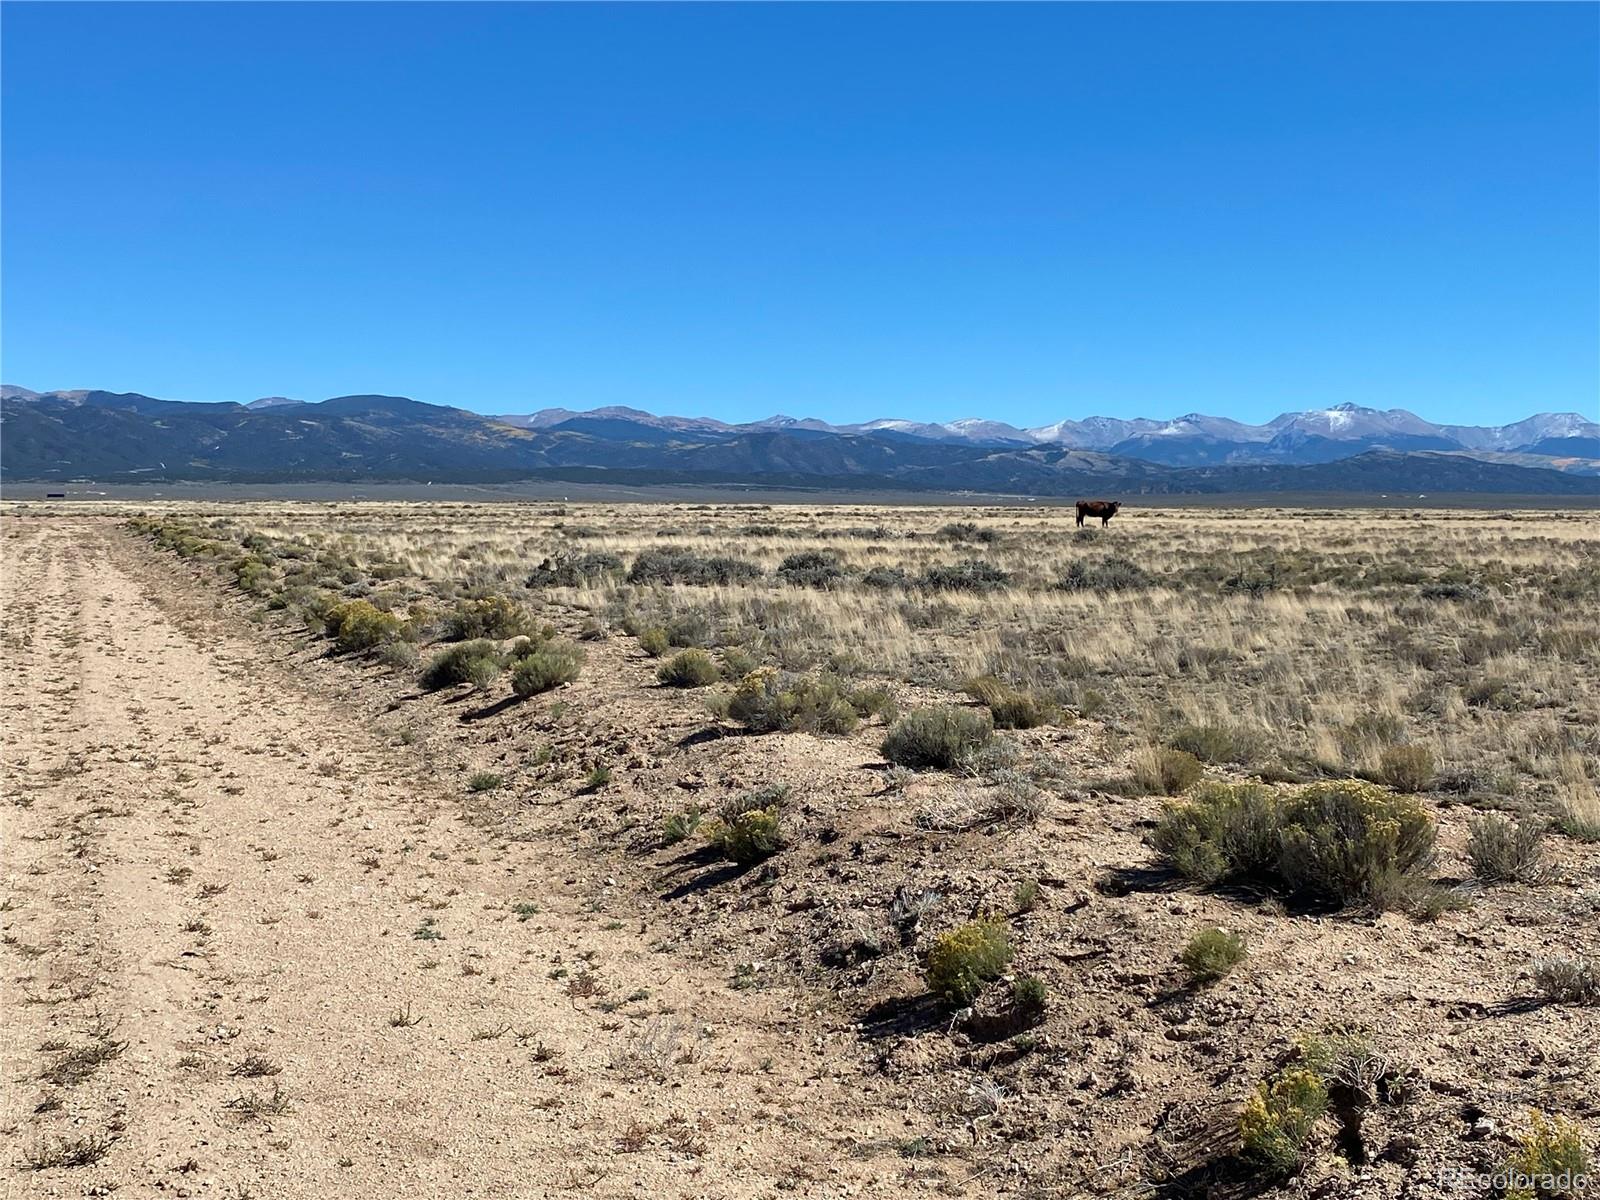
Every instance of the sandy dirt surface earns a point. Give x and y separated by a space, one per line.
221 895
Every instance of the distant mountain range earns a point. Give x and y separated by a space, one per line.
123 437
1323 435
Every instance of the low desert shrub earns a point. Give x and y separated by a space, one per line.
1112 574
768 700
574 570
550 665
483 672
884 578
1211 954
1453 589
1224 832
1279 1117
969 575
398 656
1353 843
967 531
1429 901
1218 743
1506 851
1344 842
688 669
253 574
773 795
476 662
1338 1072
737 662
875 701
524 646
692 627
1166 772
1406 768
358 625
1029 997
67 1152
748 838
680 825
183 540
812 568
1550 1161
1253 581
654 641
1015 796
962 961
1012 708
1025 896
486 617
313 606
1567 980
942 737
673 564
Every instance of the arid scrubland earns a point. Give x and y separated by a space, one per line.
1209 853
1289 644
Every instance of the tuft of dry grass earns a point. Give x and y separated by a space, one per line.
75 1065
254 1066
71 1152
257 1106
1567 980
1579 800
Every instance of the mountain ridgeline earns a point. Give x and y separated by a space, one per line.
125 437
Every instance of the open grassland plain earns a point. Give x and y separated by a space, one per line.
734 850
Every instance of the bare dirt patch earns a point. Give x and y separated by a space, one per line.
318 980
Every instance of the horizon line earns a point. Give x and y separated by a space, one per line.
778 415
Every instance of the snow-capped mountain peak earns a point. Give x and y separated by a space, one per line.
1314 435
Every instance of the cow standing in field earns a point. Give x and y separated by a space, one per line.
1104 509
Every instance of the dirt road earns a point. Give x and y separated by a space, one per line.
250 947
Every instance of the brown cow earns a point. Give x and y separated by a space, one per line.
1104 509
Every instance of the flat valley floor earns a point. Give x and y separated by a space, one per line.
262 938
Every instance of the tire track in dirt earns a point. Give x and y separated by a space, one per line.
286 967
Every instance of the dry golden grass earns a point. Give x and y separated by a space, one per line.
1315 641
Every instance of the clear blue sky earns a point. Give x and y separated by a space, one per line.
1019 212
